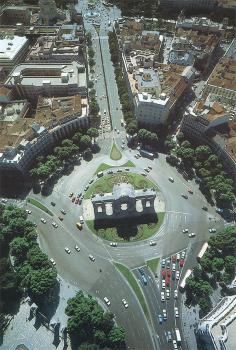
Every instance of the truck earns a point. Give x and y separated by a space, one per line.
202 251
178 337
183 281
146 154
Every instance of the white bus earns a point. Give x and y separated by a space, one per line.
183 281
178 337
202 251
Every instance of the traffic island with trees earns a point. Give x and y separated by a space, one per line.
25 269
216 269
90 327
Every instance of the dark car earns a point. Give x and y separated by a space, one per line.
53 204
141 271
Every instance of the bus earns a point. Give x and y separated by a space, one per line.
183 281
178 337
202 251
146 154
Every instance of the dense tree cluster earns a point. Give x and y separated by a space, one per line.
32 269
216 266
47 165
209 169
147 137
90 327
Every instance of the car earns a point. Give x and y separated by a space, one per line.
168 263
181 263
77 248
127 169
34 223
177 256
141 270
204 208
173 275
171 179
176 312
164 314
152 243
91 257
163 262
177 275
53 204
119 170
79 194
86 188
107 301
143 174
43 220
160 319
163 296
110 172
67 250
82 197
4 200
60 218
184 196
163 273
122 147
125 303
183 254
77 200
71 194
149 167
54 224
91 181
192 234
169 336
219 210
144 280
147 170
173 267
175 293
212 230
28 211
63 211
167 294
185 230
163 284
190 191
113 244
73 199
175 346
173 258
53 261
118 131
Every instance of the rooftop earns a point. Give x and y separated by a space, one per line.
224 74
10 45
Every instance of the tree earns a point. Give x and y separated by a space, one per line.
92 132
37 259
67 143
186 144
85 142
131 128
117 336
180 136
76 137
19 247
202 152
230 264
205 305
100 338
42 281
218 263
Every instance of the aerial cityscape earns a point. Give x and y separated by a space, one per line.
118 174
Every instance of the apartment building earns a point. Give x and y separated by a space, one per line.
47 79
13 49
202 24
222 81
11 15
22 138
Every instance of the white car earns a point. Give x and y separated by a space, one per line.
43 220
167 294
67 250
147 170
177 275
143 174
28 211
176 312
173 267
91 257
152 243
53 261
125 303
192 234
212 230
54 224
107 301
164 314
163 284
163 296
4 200
185 230
113 244
118 131
175 345
77 248
175 293
183 254
177 256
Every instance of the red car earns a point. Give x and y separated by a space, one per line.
169 273
77 201
181 263
163 273
73 199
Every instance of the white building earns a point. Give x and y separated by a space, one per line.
51 79
13 49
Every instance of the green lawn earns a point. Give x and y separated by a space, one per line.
106 183
115 153
104 166
134 285
153 264
39 205
144 231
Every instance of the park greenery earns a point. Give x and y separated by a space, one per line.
215 268
47 166
115 153
90 327
200 161
24 267
39 205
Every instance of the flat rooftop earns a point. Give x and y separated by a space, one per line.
10 45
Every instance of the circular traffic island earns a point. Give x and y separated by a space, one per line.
123 207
